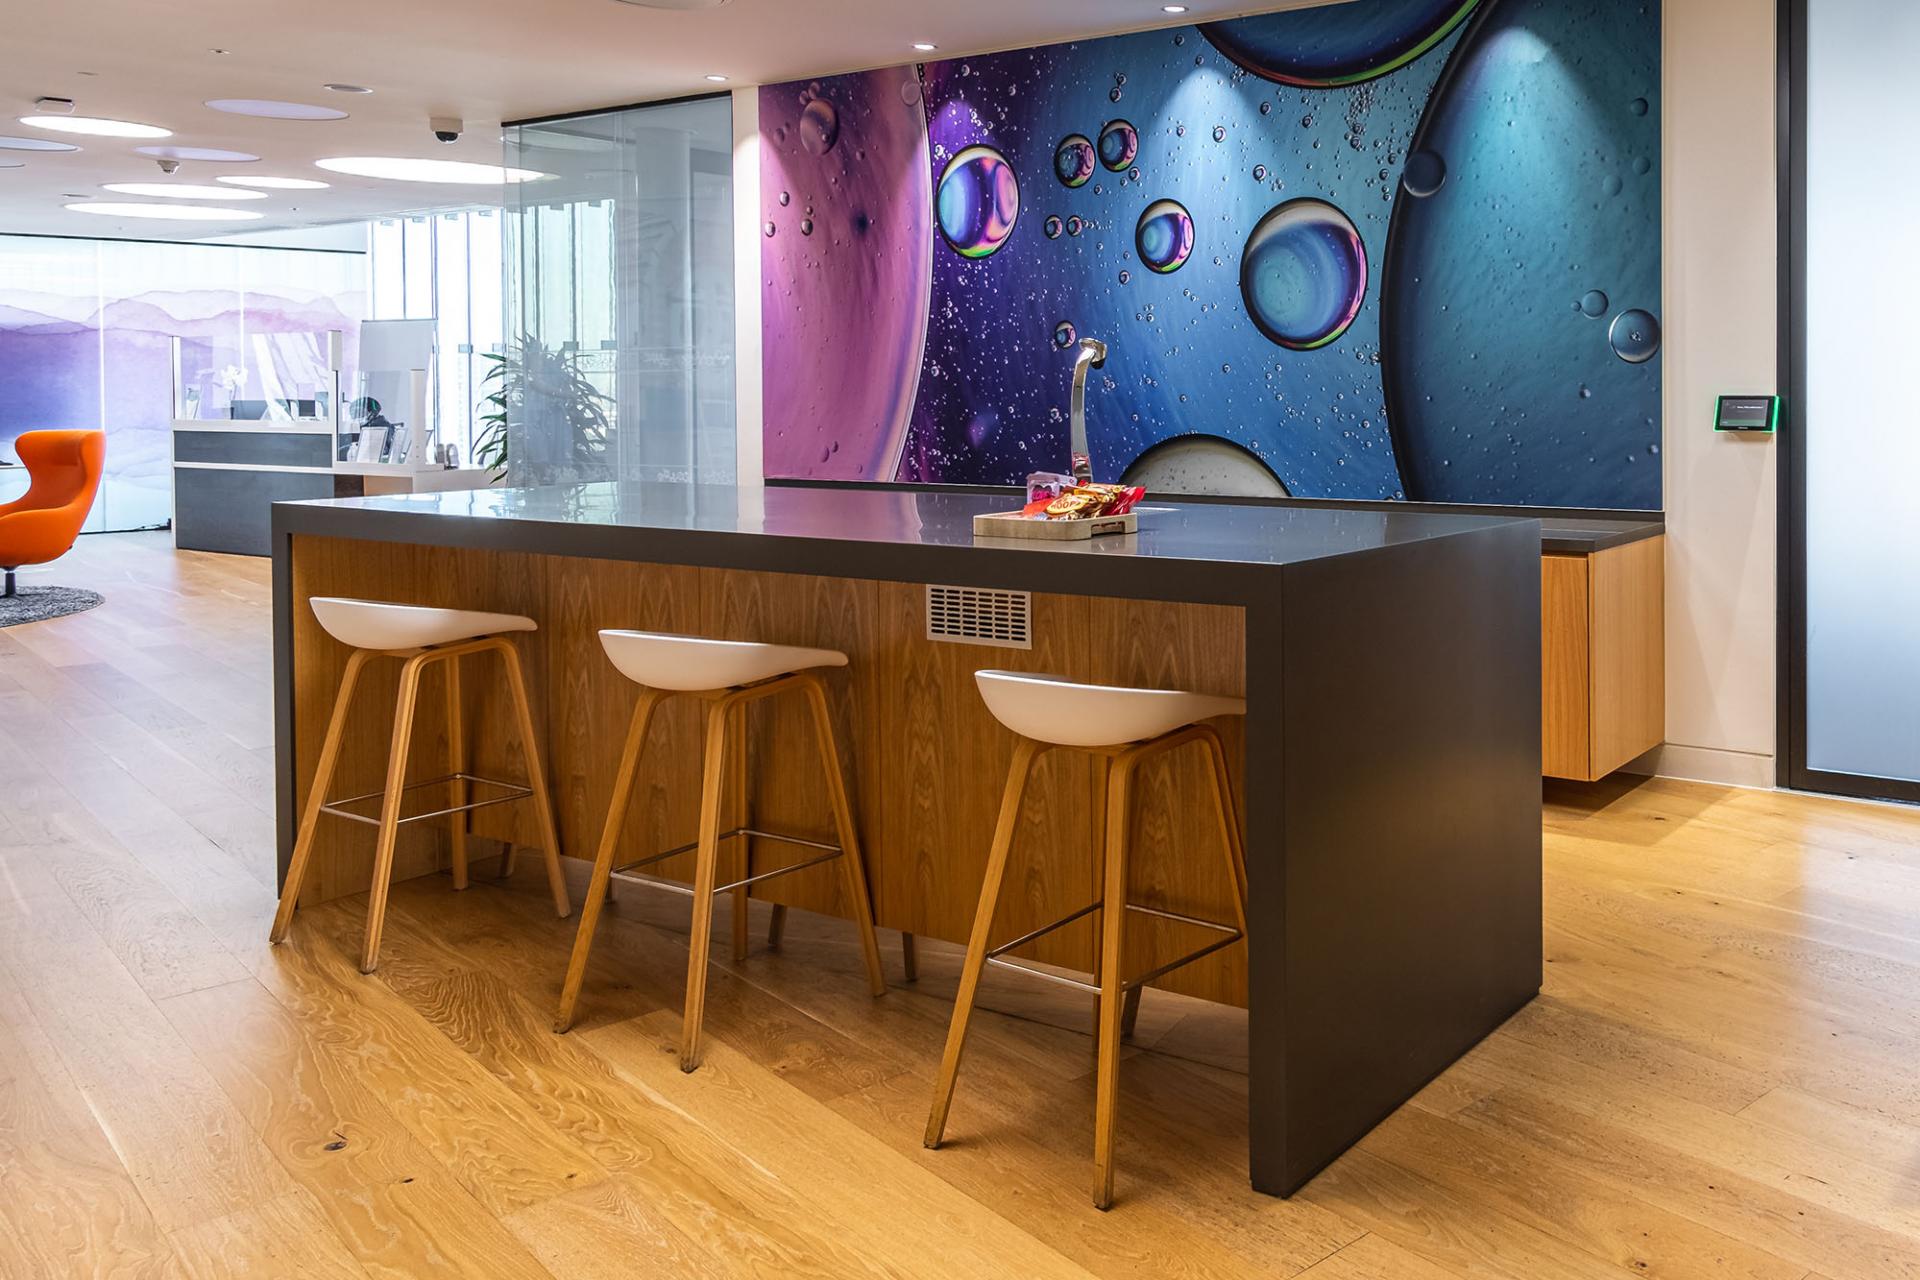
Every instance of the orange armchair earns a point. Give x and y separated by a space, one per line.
63 471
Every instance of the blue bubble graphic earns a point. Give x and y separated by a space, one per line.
977 202
1425 174
1054 226
1593 304
1119 144
1065 335
1073 160
1325 48
1164 236
1634 336
1303 274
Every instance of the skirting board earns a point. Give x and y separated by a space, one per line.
1707 764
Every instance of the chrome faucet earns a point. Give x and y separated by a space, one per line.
1092 355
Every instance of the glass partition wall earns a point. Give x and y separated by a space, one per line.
619 352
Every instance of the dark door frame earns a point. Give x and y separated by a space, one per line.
1793 769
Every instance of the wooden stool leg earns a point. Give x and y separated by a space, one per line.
536 779
741 856
597 887
457 765
851 862
1102 771
978 940
317 796
703 880
1229 820
777 926
390 808
909 957
1112 953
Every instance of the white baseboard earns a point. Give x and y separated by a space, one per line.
1707 764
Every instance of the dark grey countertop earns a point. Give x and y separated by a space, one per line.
866 533
1573 535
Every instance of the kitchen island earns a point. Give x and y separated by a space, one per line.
1388 765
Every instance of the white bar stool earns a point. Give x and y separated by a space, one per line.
727 675
418 636
1124 727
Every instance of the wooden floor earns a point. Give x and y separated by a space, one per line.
1721 1078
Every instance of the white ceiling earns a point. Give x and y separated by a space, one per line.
481 60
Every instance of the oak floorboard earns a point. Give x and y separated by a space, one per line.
1717 1080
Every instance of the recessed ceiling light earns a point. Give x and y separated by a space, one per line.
1173 8
270 110
407 169
179 191
172 212
274 184
347 88
96 126
924 47
34 144
718 79
213 155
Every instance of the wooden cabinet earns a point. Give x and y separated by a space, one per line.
1602 658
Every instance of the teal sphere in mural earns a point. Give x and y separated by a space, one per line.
1119 144
1073 160
1635 336
1324 48
1303 274
978 202
1164 236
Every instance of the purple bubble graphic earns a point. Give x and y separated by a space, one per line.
1073 160
978 202
819 126
1303 274
1164 236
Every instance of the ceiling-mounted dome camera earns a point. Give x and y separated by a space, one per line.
447 128
168 167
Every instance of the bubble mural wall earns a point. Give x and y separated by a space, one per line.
1385 249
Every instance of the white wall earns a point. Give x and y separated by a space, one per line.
1720 325
748 401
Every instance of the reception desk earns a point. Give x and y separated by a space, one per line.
1388 766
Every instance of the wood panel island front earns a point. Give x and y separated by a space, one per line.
1387 769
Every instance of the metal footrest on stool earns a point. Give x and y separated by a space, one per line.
625 874
514 790
1230 934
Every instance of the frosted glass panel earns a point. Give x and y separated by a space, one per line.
1862 438
620 297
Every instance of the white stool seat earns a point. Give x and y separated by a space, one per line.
1058 711
373 624
687 664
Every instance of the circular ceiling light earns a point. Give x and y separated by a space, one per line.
179 191
717 79
347 88
405 169
34 144
212 154
173 212
96 126
925 46
270 110
273 184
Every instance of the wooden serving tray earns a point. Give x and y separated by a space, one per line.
1013 524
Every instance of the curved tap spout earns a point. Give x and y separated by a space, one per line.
1092 355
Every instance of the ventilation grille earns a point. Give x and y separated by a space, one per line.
977 615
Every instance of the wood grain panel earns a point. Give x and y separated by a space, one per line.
1629 628
926 762
1565 669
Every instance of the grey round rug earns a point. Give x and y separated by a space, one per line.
36 604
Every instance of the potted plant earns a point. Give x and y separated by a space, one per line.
545 393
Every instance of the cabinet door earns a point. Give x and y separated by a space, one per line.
1566 670
1627 612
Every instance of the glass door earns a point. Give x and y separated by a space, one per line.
1851 554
